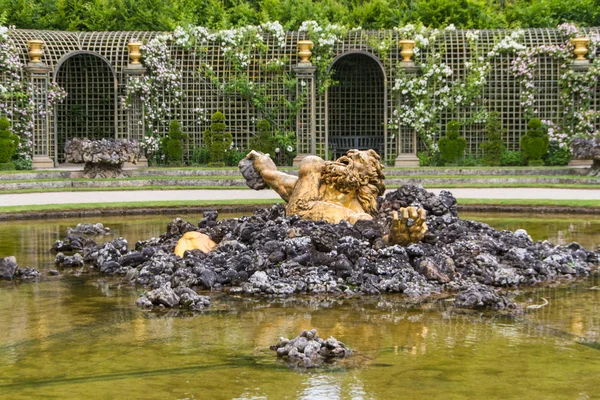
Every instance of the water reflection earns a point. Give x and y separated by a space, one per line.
82 337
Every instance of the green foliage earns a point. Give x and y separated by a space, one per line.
263 141
8 166
216 140
512 159
234 156
156 15
494 146
452 146
427 159
535 143
8 141
22 164
200 156
172 145
470 161
557 155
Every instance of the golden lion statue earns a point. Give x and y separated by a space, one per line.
342 190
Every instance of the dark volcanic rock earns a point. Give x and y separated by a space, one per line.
274 255
103 158
308 350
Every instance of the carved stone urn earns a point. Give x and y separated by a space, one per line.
35 50
304 47
407 52
134 52
580 47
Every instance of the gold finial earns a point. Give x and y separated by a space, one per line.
35 50
134 52
304 47
580 47
407 50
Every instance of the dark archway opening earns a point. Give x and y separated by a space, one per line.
90 108
356 105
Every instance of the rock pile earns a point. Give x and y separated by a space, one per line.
9 270
308 350
275 255
103 158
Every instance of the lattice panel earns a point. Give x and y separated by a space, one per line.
90 108
202 97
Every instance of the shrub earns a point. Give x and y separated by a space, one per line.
263 141
535 143
8 143
452 146
493 147
512 158
173 144
23 164
234 156
470 161
216 140
200 155
557 155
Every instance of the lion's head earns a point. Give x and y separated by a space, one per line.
359 171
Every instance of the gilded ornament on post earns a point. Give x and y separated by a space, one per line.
134 52
580 47
35 50
407 50
304 51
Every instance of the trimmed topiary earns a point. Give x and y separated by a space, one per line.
173 143
8 144
493 147
216 140
535 143
452 146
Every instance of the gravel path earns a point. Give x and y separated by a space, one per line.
232 194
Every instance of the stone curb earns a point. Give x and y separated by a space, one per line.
252 207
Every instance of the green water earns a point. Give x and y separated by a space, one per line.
80 336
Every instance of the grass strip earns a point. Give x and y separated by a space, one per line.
194 187
134 204
530 202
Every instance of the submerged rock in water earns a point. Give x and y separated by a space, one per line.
308 350
275 255
89 230
165 296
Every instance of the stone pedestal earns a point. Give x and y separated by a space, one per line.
135 111
406 160
306 142
38 90
581 163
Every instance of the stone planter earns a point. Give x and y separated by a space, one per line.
103 158
588 149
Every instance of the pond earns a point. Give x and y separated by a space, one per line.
81 335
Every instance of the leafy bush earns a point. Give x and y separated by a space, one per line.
452 146
470 161
22 164
200 156
535 143
493 147
172 145
263 141
234 156
557 155
8 142
217 141
512 158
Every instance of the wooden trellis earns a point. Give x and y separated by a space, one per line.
343 110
